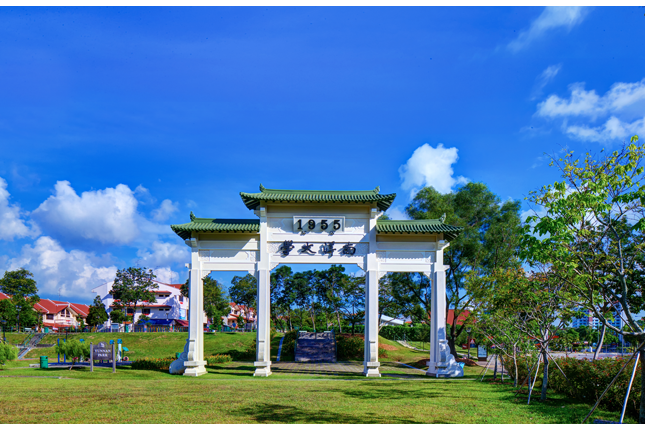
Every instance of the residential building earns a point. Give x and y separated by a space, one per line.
590 320
59 314
247 313
170 304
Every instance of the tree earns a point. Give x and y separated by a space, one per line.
97 314
74 349
405 293
282 295
20 285
133 286
330 286
7 353
354 303
81 321
590 229
240 321
490 239
243 290
117 316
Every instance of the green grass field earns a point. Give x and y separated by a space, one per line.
230 394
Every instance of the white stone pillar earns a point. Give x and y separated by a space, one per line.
194 349
263 314
370 360
441 363
263 355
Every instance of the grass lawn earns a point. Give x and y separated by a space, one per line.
130 396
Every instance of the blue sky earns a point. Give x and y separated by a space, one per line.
117 122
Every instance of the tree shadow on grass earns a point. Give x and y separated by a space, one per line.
234 369
277 413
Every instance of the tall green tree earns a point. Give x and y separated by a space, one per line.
133 286
354 303
20 285
407 294
216 303
490 240
590 229
97 314
330 286
282 296
243 290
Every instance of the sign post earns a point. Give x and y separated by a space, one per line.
113 359
100 351
481 353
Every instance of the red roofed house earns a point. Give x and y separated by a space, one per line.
58 314
247 313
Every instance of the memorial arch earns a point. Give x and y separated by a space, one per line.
327 227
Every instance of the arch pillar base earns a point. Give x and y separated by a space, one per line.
262 368
371 369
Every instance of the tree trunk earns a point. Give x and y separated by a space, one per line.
451 344
545 375
495 371
340 328
641 415
599 346
515 364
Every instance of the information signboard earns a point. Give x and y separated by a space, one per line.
481 353
102 351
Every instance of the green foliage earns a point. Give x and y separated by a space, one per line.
490 240
74 349
97 314
352 347
418 332
240 322
20 285
117 316
153 363
133 285
243 290
289 346
586 380
217 359
7 353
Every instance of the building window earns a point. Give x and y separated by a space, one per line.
181 298
146 311
50 316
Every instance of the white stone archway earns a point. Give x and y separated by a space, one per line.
316 227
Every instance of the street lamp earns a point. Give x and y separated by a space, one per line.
468 331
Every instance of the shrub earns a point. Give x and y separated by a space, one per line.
586 380
7 352
74 349
352 347
153 363
218 358
289 346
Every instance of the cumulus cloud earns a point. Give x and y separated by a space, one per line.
165 210
543 80
11 223
108 216
163 254
551 18
621 109
397 213
430 166
166 275
55 270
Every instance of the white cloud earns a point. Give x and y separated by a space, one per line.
166 275
430 166
551 18
11 224
398 213
543 80
612 130
75 273
108 216
163 254
621 108
165 210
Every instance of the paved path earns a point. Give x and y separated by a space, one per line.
344 368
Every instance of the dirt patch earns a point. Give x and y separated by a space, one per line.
388 347
466 361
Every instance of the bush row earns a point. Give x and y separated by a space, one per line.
586 380
164 363
352 347
419 332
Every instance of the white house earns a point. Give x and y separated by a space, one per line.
170 303
247 313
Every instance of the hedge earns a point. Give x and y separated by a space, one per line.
164 363
352 347
586 380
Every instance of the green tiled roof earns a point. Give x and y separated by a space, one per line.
253 200
418 226
216 225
